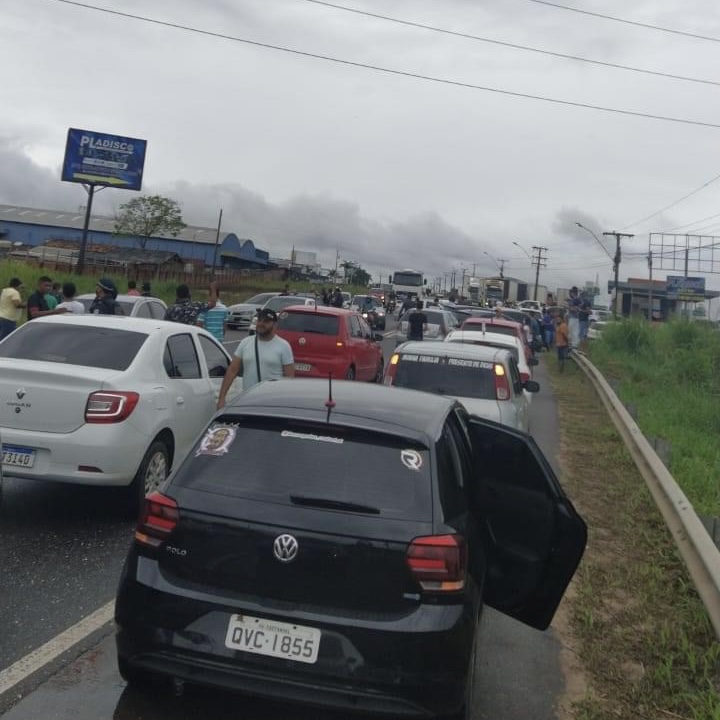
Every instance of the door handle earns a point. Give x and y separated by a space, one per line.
179 400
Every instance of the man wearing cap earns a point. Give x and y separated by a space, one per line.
185 310
265 351
104 302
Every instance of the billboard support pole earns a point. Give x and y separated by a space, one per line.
83 242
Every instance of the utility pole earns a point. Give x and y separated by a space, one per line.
616 265
502 262
215 249
538 261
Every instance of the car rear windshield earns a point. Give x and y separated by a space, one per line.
460 377
279 302
108 349
434 317
487 343
310 322
276 460
490 327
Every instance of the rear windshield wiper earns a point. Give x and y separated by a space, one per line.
333 504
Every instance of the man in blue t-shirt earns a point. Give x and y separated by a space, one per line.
214 319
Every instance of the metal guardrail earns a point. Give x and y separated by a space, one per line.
696 547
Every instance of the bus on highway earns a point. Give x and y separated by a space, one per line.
408 282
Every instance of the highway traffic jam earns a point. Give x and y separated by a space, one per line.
321 509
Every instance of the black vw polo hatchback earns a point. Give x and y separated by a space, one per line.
339 552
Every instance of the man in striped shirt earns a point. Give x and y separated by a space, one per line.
214 319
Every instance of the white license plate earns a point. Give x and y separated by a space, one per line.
303 367
18 456
277 639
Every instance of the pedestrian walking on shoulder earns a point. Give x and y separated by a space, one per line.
184 310
11 306
562 341
263 356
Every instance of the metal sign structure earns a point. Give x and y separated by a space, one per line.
686 254
689 289
94 158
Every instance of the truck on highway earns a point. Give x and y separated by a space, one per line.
408 283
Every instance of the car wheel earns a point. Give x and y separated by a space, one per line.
152 472
379 372
350 374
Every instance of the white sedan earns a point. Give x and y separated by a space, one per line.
105 400
132 305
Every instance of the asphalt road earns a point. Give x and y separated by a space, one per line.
61 550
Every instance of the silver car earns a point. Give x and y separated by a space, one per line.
486 380
240 315
132 305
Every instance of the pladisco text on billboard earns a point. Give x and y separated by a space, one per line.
95 158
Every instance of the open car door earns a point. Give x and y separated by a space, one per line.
534 537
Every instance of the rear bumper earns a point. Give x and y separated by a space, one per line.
411 665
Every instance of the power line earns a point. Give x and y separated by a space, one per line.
400 73
513 46
673 204
694 222
647 26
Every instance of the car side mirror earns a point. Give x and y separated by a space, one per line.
533 361
531 386
217 371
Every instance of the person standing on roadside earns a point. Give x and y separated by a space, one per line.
562 341
37 304
584 323
548 329
11 305
263 356
132 288
337 298
184 310
146 290
574 303
417 322
215 319
105 302
69 302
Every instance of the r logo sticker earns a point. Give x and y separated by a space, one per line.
411 459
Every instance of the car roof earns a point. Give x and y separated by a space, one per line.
458 350
490 321
319 309
119 322
361 405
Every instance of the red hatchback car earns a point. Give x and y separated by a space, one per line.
328 340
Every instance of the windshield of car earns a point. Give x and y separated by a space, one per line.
96 347
434 317
272 459
281 301
460 377
310 322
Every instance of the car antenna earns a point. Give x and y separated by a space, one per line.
329 403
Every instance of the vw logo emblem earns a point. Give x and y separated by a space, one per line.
285 548
302 341
20 393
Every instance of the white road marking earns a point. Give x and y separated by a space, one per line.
51 650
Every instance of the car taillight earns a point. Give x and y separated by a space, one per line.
159 517
110 407
438 562
392 369
502 388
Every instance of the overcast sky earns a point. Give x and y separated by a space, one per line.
392 170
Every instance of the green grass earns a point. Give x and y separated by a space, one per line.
671 374
635 621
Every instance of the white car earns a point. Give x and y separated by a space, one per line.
486 380
507 342
105 400
240 315
280 302
439 323
132 305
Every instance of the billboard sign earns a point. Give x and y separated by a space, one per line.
689 289
95 158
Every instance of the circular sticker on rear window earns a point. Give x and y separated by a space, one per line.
283 315
411 459
217 440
